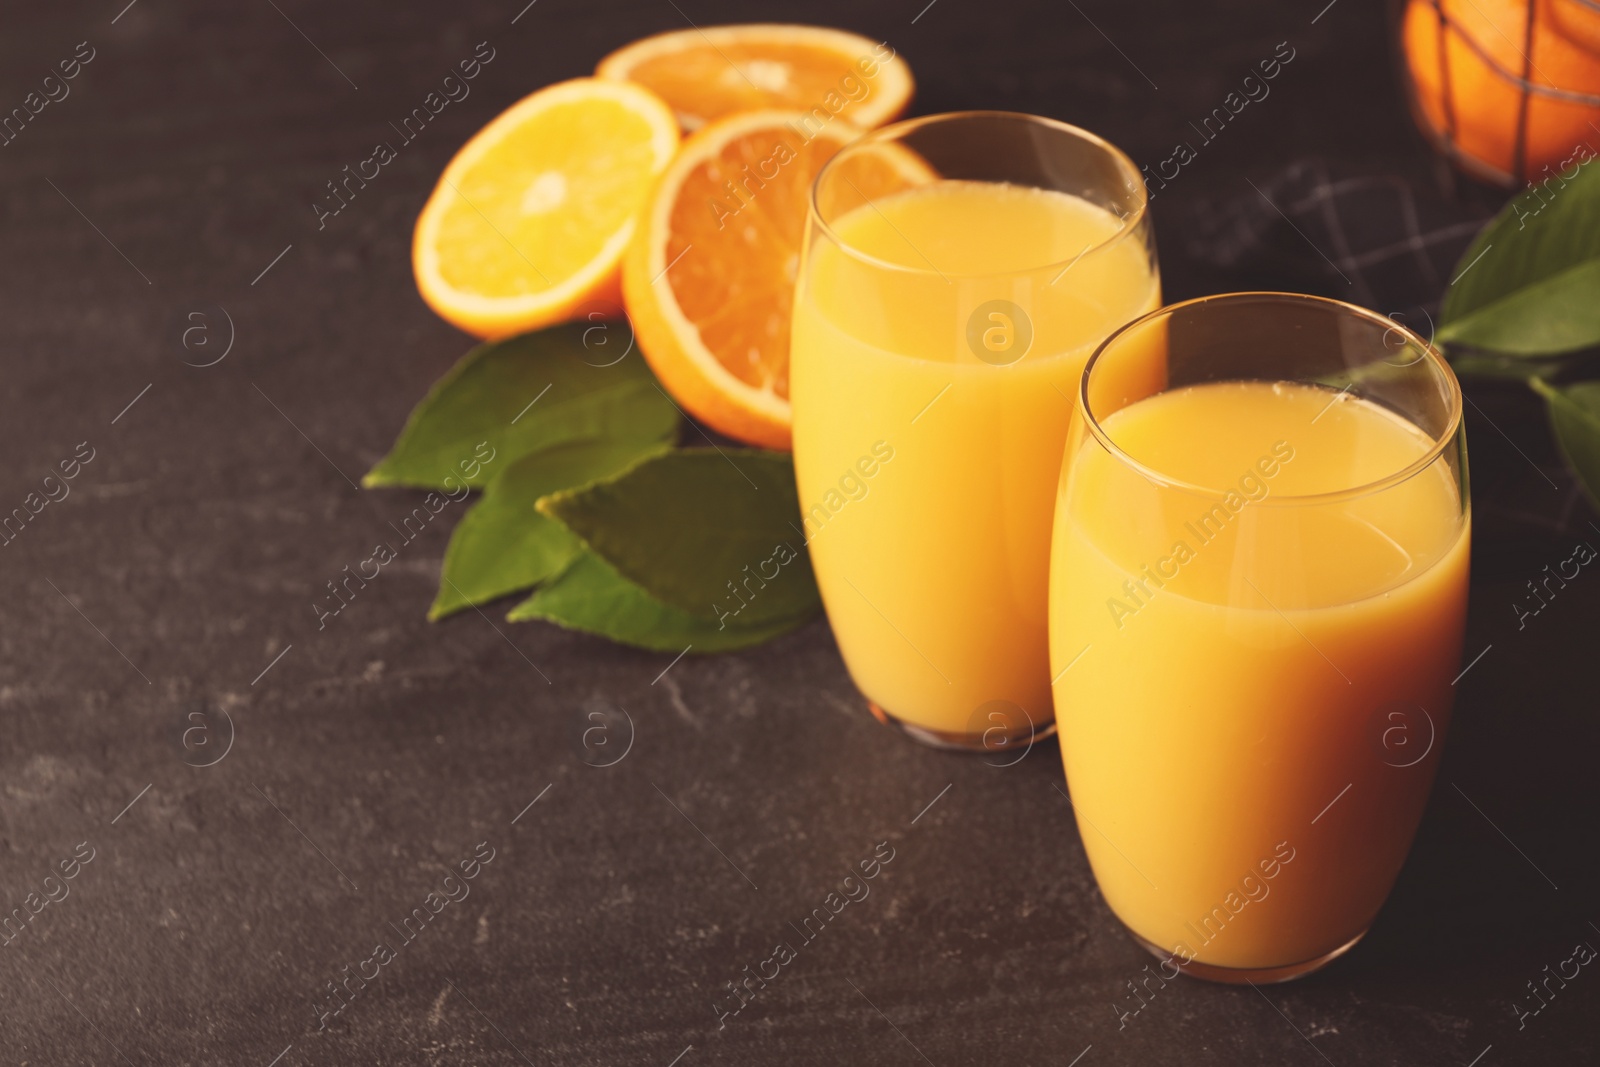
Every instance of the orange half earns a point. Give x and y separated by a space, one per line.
709 283
531 218
706 74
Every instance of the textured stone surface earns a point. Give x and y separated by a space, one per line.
377 753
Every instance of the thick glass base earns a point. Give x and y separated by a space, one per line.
1010 741
1252 975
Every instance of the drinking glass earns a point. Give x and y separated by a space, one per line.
957 272
1257 597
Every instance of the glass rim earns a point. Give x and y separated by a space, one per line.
1440 366
895 130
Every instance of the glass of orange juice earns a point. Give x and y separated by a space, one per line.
1258 589
957 272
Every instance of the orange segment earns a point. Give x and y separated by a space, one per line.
532 216
708 73
710 281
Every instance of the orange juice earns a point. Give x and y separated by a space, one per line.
937 339
1233 662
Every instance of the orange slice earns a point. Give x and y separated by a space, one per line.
709 283
531 218
708 73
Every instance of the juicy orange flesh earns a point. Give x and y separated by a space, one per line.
543 201
734 253
708 82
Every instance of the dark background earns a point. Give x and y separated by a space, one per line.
378 752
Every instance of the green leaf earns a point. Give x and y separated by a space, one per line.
1530 284
505 544
711 533
1505 368
529 392
1575 416
592 597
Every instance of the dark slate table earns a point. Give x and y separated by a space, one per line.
171 590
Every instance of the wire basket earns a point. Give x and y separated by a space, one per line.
1507 90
